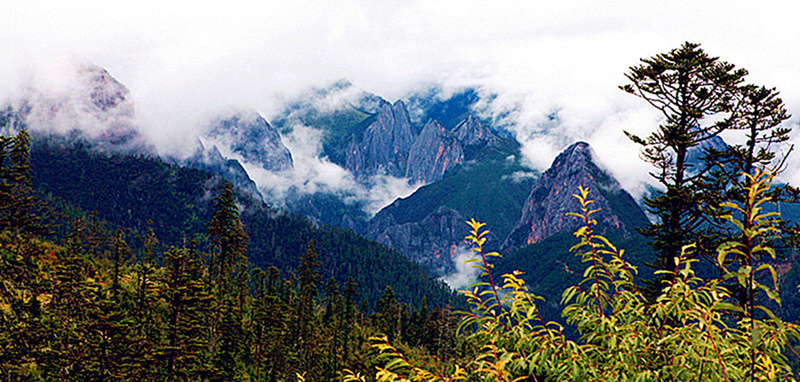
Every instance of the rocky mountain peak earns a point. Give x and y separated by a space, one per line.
575 158
385 145
435 152
247 134
91 109
551 198
105 92
471 132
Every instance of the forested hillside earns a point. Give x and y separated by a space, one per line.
177 304
141 192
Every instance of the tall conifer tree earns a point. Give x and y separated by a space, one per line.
689 88
228 242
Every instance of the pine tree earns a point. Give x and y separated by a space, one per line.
17 202
332 320
71 309
689 88
120 255
145 322
228 271
307 325
759 115
6 181
349 320
269 327
309 277
228 243
389 315
24 284
188 309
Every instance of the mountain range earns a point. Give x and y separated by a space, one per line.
463 166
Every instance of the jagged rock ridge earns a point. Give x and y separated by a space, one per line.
385 145
390 147
435 151
247 134
92 110
551 198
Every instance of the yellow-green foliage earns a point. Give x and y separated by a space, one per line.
693 331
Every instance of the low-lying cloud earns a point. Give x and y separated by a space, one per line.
465 273
553 67
314 173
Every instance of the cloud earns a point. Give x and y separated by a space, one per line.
521 176
315 173
184 62
465 273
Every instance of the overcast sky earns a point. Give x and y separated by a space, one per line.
184 60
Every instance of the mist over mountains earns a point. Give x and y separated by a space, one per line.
343 156
406 174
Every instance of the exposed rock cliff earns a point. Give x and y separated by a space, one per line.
247 134
432 241
551 198
435 152
385 145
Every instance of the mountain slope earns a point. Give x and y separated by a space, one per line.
551 198
428 226
130 191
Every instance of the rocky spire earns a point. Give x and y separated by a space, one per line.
386 143
471 132
435 152
551 198
248 134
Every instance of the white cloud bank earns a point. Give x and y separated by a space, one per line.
184 61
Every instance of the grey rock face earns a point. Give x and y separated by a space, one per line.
430 242
94 110
470 132
435 152
248 134
385 146
105 92
551 198
211 160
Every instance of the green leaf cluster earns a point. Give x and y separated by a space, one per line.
694 330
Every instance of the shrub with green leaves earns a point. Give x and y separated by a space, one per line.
693 331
